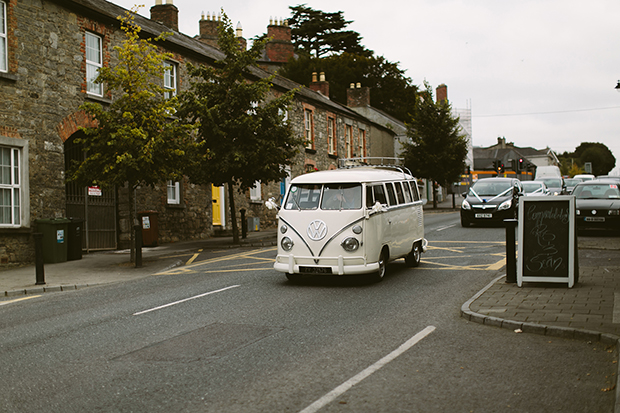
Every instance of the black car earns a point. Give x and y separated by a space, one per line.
597 205
491 200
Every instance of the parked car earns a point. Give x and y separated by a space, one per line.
570 184
556 185
597 205
535 188
491 200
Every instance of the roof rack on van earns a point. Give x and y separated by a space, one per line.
395 164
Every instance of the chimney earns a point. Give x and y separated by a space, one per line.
209 29
243 44
358 96
321 85
442 93
280 48
166 14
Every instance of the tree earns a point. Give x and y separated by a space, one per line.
598 154
392 91
318 33
437 149
136 141
243 136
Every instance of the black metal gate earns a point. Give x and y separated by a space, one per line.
96 207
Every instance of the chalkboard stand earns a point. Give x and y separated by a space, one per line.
547 240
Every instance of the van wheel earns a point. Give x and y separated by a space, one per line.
383 260
413 259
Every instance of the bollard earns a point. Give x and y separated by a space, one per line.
138 236
38 258
244 224
511 256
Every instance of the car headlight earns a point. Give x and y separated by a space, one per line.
505 205
287 244
350 244
578 212
465 205
614 212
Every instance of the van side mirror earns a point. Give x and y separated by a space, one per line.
272 204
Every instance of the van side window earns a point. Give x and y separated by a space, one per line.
399 192
379 194
414 190
391 194
407 192
370 197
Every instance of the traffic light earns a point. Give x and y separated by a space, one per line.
521 164
501 167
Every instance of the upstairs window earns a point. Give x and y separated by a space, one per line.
362 143
309 128
331 136
170 80
348 141
255 192
93 64
3 39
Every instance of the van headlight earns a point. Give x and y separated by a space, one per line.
287 244
505 205
350 244
465 205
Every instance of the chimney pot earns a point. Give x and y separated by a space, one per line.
322 77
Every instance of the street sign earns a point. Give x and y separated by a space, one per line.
547 240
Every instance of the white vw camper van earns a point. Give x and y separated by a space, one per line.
350 221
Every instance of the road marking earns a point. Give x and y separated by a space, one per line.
189 269
329 397
185 299
497 266
193 257
19 299
442 228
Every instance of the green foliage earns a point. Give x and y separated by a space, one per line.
598 154
136 140
318 33
392 92
244 137
437 149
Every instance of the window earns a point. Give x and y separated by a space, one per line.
362 143
391 193
170 80
174 193
10 187
348 141
93 64
255 192
309 128
3 40
331 136
399 193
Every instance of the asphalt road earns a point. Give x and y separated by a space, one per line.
226 333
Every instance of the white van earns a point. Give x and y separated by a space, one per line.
550 171
350 221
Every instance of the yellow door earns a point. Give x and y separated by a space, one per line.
216 206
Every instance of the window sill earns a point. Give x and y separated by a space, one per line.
312 151
99 99
8 76
175 206
333 156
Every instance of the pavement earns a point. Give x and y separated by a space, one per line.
590 310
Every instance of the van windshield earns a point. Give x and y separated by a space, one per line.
335 196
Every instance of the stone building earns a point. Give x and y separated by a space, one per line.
51 50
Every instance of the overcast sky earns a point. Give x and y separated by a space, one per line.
540 73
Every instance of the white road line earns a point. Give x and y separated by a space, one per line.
442 228
185 299
329 397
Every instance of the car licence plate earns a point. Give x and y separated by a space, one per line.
595 219
315 270
484 215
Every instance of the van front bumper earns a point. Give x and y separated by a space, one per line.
289 264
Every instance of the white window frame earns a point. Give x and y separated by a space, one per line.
4 44
170 80
362 143
309 128
17 185
92 66
173 190
331 135
348 141
255 192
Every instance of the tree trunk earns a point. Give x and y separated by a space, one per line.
233 214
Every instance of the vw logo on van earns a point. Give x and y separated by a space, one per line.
317 230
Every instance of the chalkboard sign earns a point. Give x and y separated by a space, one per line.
547 241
